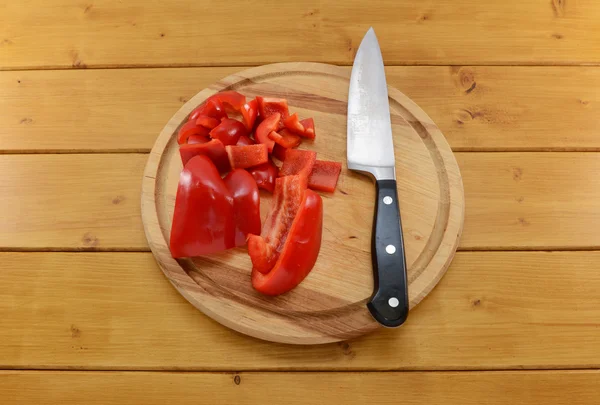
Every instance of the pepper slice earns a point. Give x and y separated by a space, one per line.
194 231
268 106
263 130
207 122
243 157
324 175
229 131
211 108
192 139
188 129
249 113
264 250
300 250
246 204
293 124
309 128
298 162
265 175
285 138
245 141
214 150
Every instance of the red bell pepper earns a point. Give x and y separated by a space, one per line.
242 157
188 129
207 122
249 112
265 175
229 131
232 100
211 108
212 214
246 204
192 139
245 141
264 250
279 152
300 249
324 175
293 124
263 130
268 106
214 150
285 138
309 128
298 162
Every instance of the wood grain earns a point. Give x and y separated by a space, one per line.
492 310
477 108
109 33
330 304
513 201
493 388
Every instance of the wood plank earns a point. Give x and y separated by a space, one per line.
114 33
513 201
54 387
492 310
477 108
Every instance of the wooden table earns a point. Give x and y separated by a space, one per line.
87 317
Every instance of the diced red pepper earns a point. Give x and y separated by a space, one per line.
229 131
212 214
249 113
268 106
299 253
211 108
265 175
245 141
214 150
232 100
195 231
242 157
264 250
309 128
293 124
298 162
246 204
192 139
324 175
263 130
188 129
279 152
207 122
285 138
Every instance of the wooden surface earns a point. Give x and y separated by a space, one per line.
74 142
330 304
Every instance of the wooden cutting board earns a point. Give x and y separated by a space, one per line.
329 305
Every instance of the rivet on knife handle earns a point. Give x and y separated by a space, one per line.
389 302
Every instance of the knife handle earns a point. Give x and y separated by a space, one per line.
389 302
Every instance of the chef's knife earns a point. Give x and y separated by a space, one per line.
371 151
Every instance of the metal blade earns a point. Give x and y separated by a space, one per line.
370 145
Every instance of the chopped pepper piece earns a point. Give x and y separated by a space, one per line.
285 138
298 162
324 175
242 157
214 150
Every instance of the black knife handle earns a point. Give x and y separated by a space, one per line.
389 302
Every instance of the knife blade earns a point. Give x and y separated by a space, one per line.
370 149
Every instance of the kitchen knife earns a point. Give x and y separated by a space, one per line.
371 151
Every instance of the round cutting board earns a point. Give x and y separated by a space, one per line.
329 305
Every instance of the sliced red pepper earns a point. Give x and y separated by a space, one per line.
264 250
214 150
229 131
211 108
285 138
268 106
192 139
249 112
207 122
298 162
279 152
265 175
300 250
246 204
309 128
232 100
188 129
263 130
203 220
245 141
293 124
242 157
324 175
